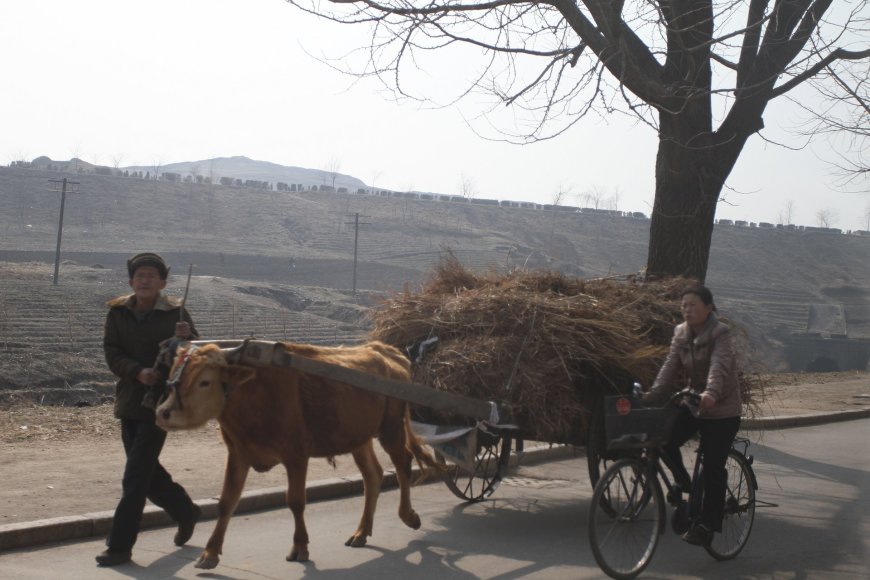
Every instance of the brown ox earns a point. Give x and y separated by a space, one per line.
278 415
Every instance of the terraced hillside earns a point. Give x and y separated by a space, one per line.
264 261
51 336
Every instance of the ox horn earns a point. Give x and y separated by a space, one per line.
234 354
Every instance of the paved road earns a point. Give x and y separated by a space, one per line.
818 477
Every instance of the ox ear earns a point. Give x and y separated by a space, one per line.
237 375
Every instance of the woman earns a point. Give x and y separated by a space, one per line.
702 355
135 326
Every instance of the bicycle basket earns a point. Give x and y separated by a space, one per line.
629 425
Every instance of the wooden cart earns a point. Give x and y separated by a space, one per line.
497 444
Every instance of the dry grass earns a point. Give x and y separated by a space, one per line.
544 345
26 421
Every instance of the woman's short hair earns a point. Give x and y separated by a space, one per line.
701 292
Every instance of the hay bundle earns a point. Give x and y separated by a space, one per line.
543 345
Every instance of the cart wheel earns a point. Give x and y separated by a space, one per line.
490 465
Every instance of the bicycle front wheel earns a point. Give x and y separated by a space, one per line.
625 518
739 509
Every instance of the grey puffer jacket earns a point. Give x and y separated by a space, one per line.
131 342
705 363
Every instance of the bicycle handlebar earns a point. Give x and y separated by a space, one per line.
685 397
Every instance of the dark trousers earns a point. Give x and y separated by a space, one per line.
717 435
144 477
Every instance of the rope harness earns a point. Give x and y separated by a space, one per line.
175 379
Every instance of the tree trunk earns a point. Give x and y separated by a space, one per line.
688 174
688 183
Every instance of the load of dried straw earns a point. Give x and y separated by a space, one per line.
543 345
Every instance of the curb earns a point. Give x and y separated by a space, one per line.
95 524
789 421
27 534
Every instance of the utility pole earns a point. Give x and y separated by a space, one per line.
356 224
64 183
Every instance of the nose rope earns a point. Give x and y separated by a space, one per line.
175 380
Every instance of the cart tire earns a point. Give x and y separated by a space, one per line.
491 465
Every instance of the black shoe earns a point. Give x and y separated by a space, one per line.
185 527
699 535
109 558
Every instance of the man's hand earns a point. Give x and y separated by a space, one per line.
706 403
148 377
182 330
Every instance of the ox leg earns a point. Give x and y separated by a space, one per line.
296 475
402 460
373 476
234 482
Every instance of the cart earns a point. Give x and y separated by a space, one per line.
476 457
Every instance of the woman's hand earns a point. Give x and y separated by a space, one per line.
706 403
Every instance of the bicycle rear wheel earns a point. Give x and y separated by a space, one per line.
739 509
624 534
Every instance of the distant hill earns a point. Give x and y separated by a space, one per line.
238 167
764 278
249 169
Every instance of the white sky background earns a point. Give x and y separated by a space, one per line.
184 80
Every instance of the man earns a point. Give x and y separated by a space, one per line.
135 326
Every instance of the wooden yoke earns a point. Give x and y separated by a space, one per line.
263 353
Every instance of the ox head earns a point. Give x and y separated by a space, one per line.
198 385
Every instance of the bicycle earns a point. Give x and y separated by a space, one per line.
628 512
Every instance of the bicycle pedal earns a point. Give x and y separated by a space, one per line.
680 519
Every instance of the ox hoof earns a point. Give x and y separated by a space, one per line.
206 563
356 541
297 555
412 521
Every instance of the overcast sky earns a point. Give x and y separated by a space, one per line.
183 80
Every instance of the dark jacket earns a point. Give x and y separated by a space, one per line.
706 363
131 344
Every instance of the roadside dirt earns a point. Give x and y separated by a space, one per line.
63 461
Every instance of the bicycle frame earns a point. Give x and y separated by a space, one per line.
657 461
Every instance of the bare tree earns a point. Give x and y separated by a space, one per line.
466 186
196 172
787 213
333 166
613 200
76 156
561 194
867 218
558 197
155 173
671 63
117 159
825 218
593 198
846 113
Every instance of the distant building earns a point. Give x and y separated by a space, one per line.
825 346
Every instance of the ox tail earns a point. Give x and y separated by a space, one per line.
424 459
